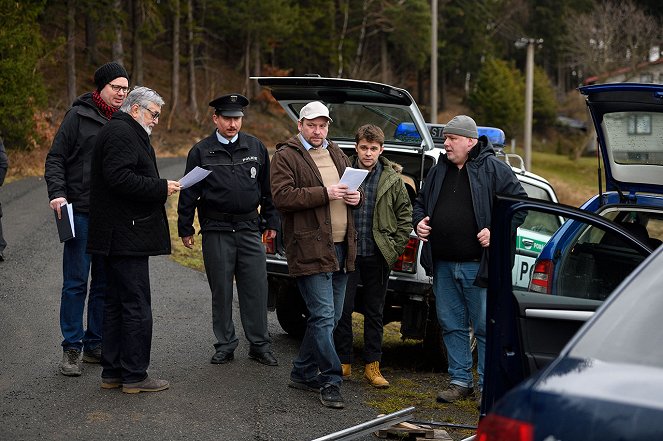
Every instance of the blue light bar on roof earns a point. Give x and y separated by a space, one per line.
407 132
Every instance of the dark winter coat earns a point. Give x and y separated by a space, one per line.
392 216
488 176
238 185
127 212
301 197
67 170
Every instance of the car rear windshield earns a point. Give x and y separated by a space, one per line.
629 329
395 122
635 137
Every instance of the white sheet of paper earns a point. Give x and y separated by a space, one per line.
353 177
193 177
70 212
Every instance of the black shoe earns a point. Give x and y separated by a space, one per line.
222 357
93 355
266 358
454 393
330 396
308 386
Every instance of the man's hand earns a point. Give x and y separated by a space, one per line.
352 197
337 191
270 234
484 237
187 241
56 204
173 187
423 229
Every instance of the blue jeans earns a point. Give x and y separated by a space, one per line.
459 304
76 265
323 294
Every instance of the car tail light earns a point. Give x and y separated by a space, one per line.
270 244
498 428
407 262
542 277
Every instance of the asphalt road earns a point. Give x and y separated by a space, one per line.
242 400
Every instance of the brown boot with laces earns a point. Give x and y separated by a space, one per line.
346 371
373 375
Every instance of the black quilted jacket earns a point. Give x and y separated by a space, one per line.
127 212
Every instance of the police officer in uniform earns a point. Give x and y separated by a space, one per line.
234 206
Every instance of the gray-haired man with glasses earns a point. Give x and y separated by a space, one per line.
127 225
67 174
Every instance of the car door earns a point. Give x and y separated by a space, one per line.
525 329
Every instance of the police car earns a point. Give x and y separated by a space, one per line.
410 142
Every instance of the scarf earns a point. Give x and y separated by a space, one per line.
106 110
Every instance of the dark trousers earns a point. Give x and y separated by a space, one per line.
127 332
373 272
239 257
3 243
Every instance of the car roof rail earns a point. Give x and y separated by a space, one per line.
508 157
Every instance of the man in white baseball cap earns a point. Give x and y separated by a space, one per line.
305 176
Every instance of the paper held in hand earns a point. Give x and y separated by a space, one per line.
353 177
193 177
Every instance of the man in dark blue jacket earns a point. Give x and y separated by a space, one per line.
128 224
67 175
452 215
234 206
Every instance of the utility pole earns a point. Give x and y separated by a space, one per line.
529 95
433 63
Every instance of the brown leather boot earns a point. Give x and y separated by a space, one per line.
347 371
373 375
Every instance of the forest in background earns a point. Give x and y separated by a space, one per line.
193 50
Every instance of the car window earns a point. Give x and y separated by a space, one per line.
589 262
629 330
646 223
531 237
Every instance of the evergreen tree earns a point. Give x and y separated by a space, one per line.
22 86
498 96
544 104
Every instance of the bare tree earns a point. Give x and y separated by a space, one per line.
613 35
91 30
71 50
117 48
138 16
175 73
193 102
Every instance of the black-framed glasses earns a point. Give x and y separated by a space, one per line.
117 88
154 115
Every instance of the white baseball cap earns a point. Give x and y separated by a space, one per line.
314 109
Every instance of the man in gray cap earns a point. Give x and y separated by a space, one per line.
452 216
320 242
67 175
234 206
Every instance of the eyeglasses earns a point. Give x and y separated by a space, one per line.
154 115
117 88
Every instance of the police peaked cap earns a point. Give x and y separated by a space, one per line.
231 105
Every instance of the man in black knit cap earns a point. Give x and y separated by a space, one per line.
67 175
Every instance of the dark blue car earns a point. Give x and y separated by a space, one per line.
606 383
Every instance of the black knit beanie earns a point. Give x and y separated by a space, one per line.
107 73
